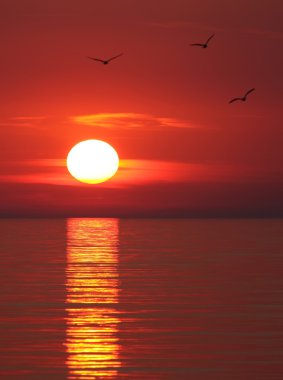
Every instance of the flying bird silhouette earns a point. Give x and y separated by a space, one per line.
105 61
204 46
244 98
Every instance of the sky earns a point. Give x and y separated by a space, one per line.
163 105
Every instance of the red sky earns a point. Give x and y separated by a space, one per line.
163 106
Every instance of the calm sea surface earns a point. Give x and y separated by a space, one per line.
141 299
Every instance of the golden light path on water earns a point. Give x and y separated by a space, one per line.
92 292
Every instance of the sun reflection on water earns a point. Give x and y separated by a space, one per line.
92 294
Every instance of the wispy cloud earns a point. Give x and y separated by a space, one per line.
130 120
40 162
23 121
44 171
31 118
133 173
151 171
16 124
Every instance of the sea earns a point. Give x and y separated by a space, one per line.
87 298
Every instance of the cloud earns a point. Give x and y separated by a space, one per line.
134 173
31 118
13 124
40 162
48 171
23 121
51 194
129 120
130 173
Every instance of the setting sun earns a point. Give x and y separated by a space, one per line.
92 161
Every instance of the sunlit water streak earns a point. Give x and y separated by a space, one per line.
92 295
141 299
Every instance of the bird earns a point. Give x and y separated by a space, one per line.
204 46
105 61
244 98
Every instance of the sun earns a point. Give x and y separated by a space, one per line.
92 161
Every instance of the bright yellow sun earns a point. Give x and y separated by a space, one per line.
92 161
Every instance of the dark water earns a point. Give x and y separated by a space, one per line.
141 299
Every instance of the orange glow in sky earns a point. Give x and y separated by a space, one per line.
164 107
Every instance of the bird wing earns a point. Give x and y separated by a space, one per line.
96 59
248 92
235 99
116 56
210 38
197 44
